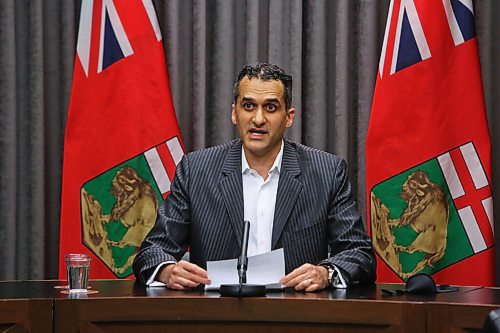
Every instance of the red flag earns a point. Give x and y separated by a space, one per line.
428 151
122 138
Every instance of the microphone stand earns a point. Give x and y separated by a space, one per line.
242 289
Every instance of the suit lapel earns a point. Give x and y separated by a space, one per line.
288 190
231 188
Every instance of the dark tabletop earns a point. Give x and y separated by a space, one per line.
130 289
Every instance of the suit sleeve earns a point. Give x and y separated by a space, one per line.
350 247
168 239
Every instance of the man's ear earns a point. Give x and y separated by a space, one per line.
233 114
290 115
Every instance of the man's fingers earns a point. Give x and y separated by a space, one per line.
295 273
297 280
190 272
188 283
193 277
313 287
176 286
195 269
307 278
304 284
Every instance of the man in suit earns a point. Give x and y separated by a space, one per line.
295 197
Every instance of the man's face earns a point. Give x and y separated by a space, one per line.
260 116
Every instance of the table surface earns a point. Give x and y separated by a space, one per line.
45 289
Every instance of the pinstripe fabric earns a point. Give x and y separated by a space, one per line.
315 210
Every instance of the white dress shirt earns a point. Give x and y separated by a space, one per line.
259 200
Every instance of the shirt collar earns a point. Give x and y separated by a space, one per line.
276 165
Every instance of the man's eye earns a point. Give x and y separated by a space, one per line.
248 106
271 107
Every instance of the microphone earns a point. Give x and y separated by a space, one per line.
243 258
242 289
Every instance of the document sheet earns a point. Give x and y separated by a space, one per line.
267 268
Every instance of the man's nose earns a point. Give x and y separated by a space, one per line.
259 118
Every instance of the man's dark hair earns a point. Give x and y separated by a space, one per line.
264 71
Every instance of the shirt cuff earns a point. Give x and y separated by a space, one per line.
338 281
151 281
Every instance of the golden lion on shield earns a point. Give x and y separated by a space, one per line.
426 212
135 208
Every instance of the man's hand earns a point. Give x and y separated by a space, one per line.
307 277
183 275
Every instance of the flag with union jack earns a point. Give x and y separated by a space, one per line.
428 150
122 139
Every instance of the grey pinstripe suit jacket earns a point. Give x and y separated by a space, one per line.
314 210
